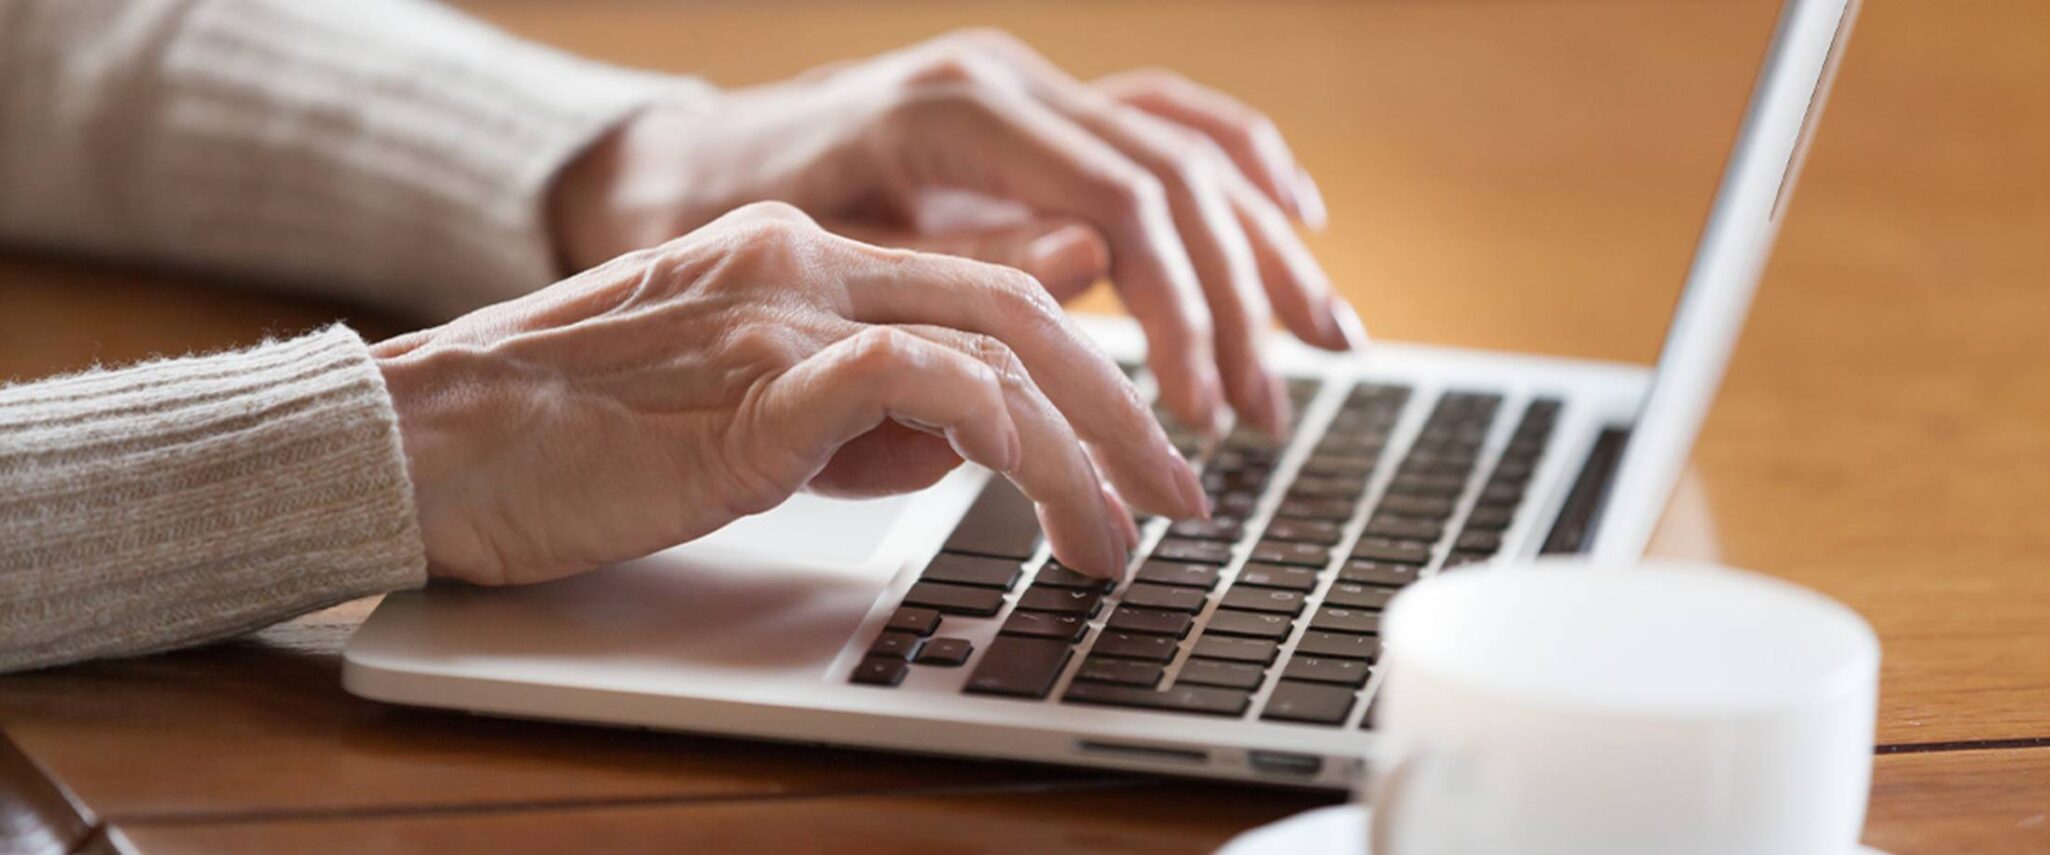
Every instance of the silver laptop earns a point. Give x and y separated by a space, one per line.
1242 648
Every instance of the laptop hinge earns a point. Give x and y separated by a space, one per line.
1573 531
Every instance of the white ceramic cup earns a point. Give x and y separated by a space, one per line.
1561 707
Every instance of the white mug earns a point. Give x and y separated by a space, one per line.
1561 707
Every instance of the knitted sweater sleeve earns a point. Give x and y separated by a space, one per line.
391 150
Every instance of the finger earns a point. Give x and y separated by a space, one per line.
892 459
851 386
1019 318
1056 472
1296 284
1041 159
1246 135
1220 249
1067 256
1190 172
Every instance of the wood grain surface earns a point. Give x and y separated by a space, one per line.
1520 175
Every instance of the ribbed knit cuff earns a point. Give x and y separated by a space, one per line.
191 499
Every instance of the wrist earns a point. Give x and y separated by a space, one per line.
626 191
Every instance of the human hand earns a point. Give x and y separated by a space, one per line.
655 398
974 144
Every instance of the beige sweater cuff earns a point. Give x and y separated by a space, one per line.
191 499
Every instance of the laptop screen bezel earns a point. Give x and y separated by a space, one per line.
1785 108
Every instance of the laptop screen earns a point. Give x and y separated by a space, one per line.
1786 103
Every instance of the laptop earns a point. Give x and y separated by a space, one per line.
1243 647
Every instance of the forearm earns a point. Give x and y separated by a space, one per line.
393 151
190 499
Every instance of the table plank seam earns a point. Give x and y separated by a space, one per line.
1964 745
184 818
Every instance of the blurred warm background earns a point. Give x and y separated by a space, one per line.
1531 175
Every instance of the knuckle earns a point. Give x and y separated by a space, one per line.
998 356
878 353
1021 295
775 216
1136 194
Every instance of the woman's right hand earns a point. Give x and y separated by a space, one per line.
656 398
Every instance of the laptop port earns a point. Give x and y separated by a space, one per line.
1285 763
1135 751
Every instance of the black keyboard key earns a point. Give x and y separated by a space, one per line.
1330 510
1334 466
1478 541
1392 551
1231 649
1277 576
1019 666
1235 504
1351 444
944 652
1215 528
1378 573
1283 552
1461 559
1067 628
1151 596
1065 601
1308 703
1131 645
1356 595
880 671
1323 532
1352 673
1485 518
1203 700
1279 601
1406 528
1326 488
1250 624
1196 551
1498 493
1053 575
1149 621
955 599
1424 507
977 570
1230 675
1437 486
1181 575
1331 619
915 620
1344 645
1127 672
1000 524
901 645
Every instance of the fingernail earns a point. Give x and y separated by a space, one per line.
1259 405
1280 410
1349 322
1116 554
1194 501
1310 199
1070 256
1127 526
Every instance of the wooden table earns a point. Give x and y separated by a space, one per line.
1501 174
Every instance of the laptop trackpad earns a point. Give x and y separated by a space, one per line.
776 595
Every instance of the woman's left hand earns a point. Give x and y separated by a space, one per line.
975 145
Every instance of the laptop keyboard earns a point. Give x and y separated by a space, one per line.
1222 615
